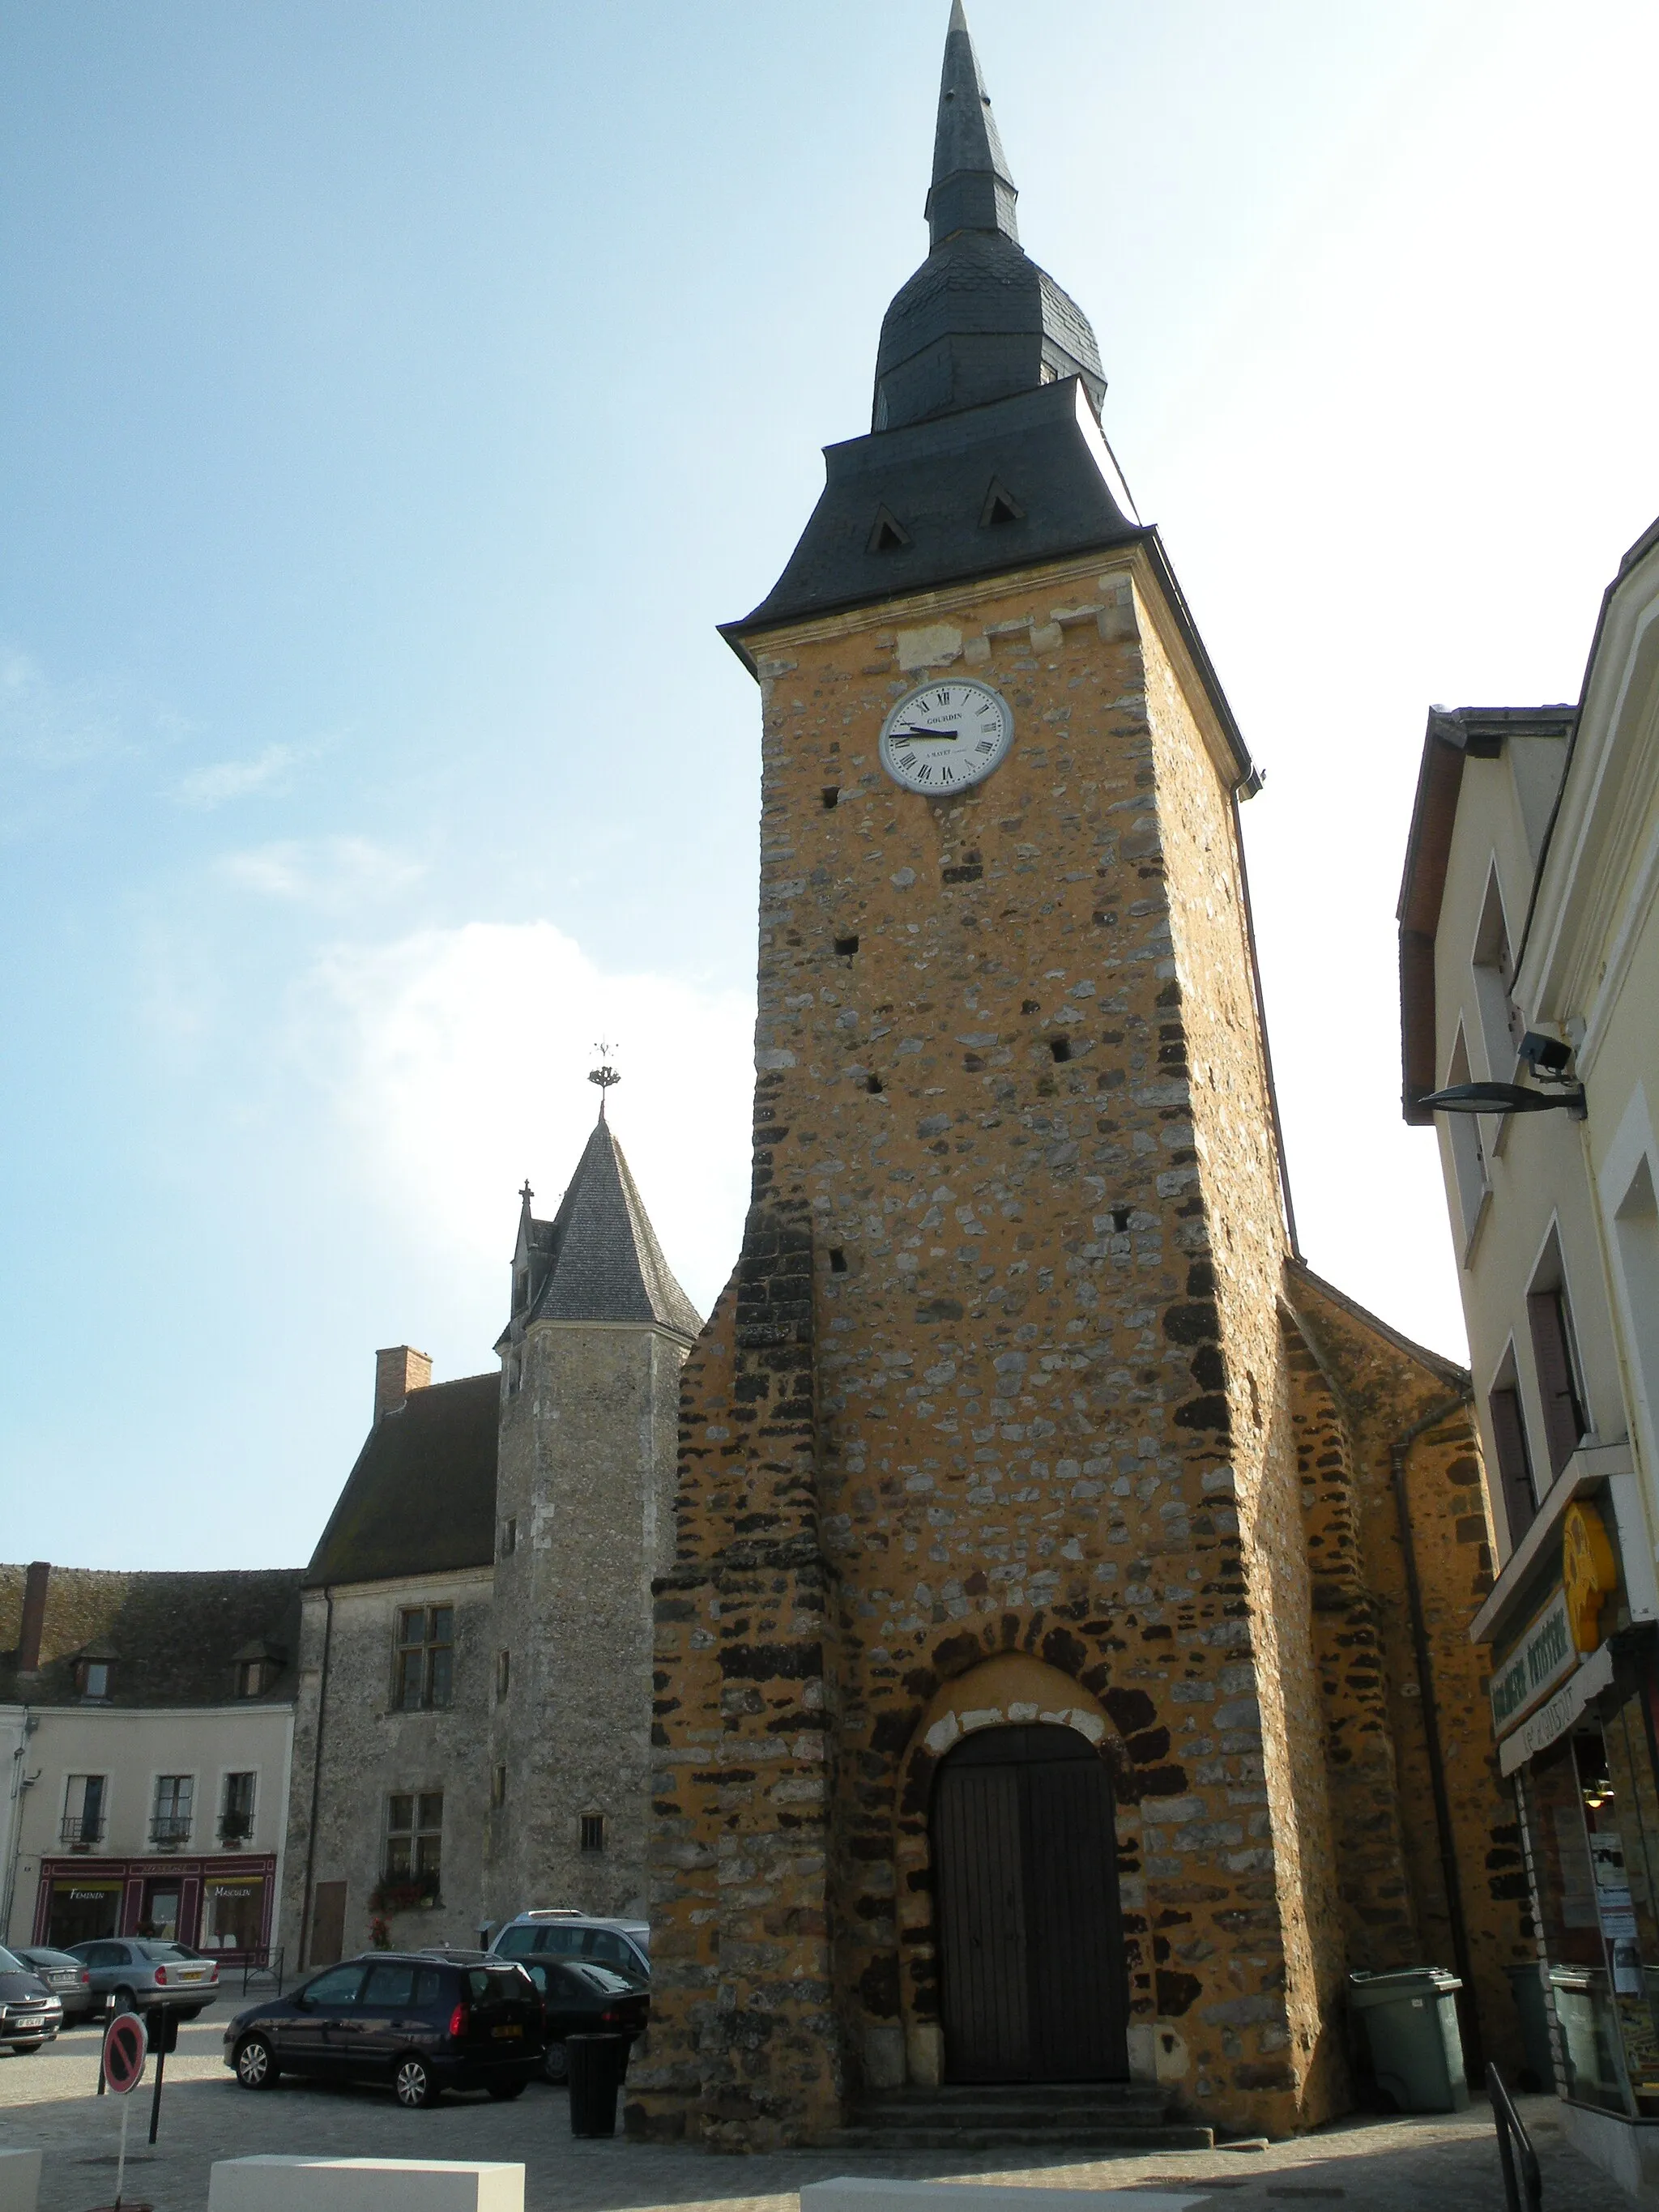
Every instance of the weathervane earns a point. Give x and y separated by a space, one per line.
605 1075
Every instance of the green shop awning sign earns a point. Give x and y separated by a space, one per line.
1545 1653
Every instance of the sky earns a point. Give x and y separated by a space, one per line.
394 394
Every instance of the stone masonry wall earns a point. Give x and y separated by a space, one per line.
369 1750
1387 1389
1025 1373
586 1473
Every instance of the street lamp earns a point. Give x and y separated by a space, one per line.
1545 1057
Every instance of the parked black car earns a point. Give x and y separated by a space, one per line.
580 1997
418 2024
69 1980
29 2014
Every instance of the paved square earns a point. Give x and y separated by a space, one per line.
1433 2164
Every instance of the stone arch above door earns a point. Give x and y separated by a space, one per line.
1010 1691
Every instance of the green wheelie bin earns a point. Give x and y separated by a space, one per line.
1409 2020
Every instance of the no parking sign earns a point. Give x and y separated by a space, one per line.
125 2052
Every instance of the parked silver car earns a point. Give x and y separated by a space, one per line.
131 1973
69 1980
624 1946
29 2014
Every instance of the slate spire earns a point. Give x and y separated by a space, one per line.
598 1259
972 188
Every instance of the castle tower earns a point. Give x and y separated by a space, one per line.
992 1726
591 1362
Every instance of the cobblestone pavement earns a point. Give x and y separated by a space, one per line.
1429 2164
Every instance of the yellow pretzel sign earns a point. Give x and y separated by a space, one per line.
1588 1572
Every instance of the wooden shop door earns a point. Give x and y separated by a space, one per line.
1033 1985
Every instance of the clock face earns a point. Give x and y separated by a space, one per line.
944 736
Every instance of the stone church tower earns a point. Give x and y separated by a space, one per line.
1046 1658
591 1363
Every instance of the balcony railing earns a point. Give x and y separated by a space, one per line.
81 1830
235 1828
169 1830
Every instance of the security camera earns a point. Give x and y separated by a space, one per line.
1545 1057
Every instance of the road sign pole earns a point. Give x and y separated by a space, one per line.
121 2155
155 2099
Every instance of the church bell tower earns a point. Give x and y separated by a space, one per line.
988 1726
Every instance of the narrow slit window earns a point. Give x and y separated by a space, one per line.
1061 1048
593 1832
830 794
838 1261
846 947
872 1084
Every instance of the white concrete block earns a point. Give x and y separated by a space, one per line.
20 2180
855 2194
364 2184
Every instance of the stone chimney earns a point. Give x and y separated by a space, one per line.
398 1370
34 1616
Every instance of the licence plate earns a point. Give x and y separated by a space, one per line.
507 2030
195 1974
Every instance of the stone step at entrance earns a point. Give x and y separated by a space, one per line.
1021 2115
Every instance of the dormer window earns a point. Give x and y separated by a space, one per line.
92 1678
254 1677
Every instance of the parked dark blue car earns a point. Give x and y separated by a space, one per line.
417 2025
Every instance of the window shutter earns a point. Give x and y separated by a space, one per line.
1514 1462
1564 1414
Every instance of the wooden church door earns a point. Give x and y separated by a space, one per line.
1033 1985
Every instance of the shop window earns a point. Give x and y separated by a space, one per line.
592 1832
1591 1816
81 1911
170 1822
414 1841
233 1915
1468 1149
1509 1436
426 1657
1635 1237
1566 1422
236 1809
83 1811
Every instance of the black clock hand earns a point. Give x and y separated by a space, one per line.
943 737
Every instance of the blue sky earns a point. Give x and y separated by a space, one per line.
393 396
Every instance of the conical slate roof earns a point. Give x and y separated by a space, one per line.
598 1259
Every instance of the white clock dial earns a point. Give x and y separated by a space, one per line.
944 736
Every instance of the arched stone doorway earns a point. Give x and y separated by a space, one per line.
1034 1984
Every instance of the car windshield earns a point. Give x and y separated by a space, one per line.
10 1964
162 1951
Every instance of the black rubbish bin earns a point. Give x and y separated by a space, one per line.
1527 1984
595 2071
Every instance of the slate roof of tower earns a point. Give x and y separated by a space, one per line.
986 374
421 1499
598 1259
171 1639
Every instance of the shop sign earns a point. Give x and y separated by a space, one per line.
1589 1573
1545 1653
1539 1732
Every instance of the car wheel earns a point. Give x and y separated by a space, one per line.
414 2084
123 2000
505 2092
256 2063
556 2064
192 2011
25 2049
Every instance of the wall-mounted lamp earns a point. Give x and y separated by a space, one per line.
1504 1098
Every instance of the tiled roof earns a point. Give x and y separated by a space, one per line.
173 1640
421 1499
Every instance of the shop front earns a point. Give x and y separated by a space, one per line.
222 1906
1576 1708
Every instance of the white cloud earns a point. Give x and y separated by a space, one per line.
213 786
320 871
459 1062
